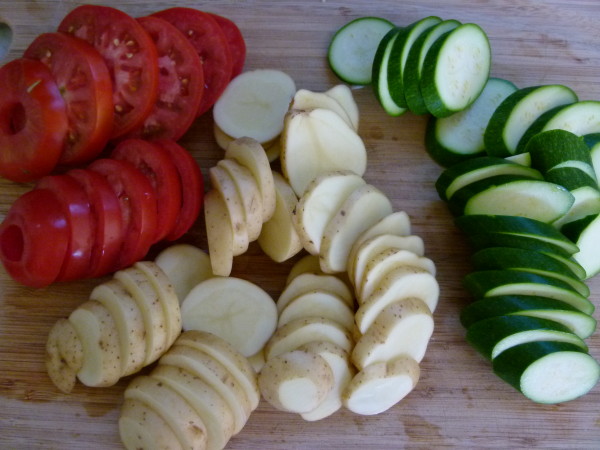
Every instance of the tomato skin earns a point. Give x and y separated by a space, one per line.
33 120
158 166
180 83
129 54
210 42
76 208
236 42
27 254
106 214
192 187
85 84
138 207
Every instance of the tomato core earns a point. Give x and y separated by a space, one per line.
12 243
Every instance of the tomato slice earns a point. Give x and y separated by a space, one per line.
192 183
210 42
84 82
76 208
33 120
138 207
106 214
158 166
236 42
34 238
130 55
180 83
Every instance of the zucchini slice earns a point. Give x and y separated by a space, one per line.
548 372
592 140
380 78
550 149
586 234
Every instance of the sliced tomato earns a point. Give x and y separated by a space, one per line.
84 82
210 42
236 42
33 120
180 83
34 238
138 207
106 214
192 183
158 166
130 55
76 208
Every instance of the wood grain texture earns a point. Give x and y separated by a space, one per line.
458 402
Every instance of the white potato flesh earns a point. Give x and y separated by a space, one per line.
306 264
257 361
296 381
380 386
278 237
185 265
318 304
307 100
343 95
320 202
223 140
236 310
64 355
308 282
219 234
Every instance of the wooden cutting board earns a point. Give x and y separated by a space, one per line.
458 402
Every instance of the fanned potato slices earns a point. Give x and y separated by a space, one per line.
307 100
306 264
141 427
308 282
318 304
219 233
343 95
64 355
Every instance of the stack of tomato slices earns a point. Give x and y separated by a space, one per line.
105 76
91 221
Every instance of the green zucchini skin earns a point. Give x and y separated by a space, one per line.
379 76
585 233
553 147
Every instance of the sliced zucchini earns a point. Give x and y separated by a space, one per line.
399 55
520 158
586 234
466 172
583 325
518 111
352 48
552 148
548 372
380 73
453 139
494 335
455 70
489 283
494 258
592 140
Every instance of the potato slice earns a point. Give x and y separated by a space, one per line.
141 427
234 309
219 234
363 208
225 186
174 409
318 304
318 141
344 97
403 327
306 264
379 386
320 202
308 282
99 337
185 265
210 406
402 282
129 321
250 154
257 361
271 147
237 364
297 381
298 332
342 370
64 355
216 376
307 100
247 189
278 237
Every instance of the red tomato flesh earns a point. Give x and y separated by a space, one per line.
33 120
84 82
129 54
236 42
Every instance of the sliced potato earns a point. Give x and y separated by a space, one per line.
141 427
363 208
306 264
64 355
320 202
272 147
402 328
219 234
278 237
250 154
175 409
185 265
343 95
307 100
318 141
234 309
343 371
257 361
296 381
318 304
379 386
308 282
